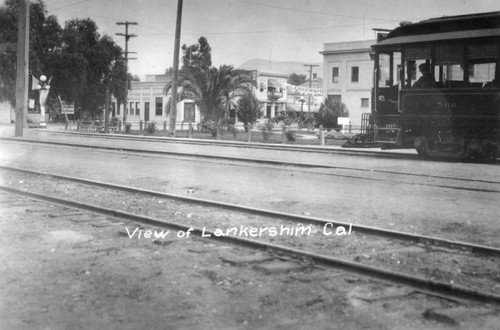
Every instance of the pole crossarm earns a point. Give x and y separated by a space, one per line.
310 83
127 36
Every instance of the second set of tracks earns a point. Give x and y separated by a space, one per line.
317 248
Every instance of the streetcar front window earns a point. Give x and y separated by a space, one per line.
384 70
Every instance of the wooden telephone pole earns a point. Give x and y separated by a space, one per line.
23 39
173 107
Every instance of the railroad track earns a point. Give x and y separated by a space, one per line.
439 181
246 145
370 251
218 143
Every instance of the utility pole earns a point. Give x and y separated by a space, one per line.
310 84
173 107
23 39
127 38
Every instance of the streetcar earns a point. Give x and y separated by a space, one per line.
437 87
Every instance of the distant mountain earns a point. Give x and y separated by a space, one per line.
281 67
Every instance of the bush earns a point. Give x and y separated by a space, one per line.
128 126
209 126
290 136
267 129
232 129
151 127
288 121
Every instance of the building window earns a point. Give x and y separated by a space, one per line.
335 98
189 109
354 74
335 75
365 102
131 108
137 112
159 106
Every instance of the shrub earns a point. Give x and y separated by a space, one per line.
232 129
209 126
290 136
128 126
288 121
151 127
267 129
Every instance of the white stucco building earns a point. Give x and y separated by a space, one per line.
348 76
147 102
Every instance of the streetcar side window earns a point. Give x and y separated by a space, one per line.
448 65
483 67
414 57
480 74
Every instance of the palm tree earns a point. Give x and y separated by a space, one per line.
213 90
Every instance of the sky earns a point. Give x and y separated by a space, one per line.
240 30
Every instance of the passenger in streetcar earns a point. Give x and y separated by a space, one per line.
427 80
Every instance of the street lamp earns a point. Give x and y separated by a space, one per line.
302 105
43 88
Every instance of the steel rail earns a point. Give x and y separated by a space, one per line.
474 248
374 272
272 162
247 145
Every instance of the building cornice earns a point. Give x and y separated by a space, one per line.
333 52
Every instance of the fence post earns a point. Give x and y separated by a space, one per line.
119 126
321 136
249 132
164 126
283 134
190 130
78 125
140 125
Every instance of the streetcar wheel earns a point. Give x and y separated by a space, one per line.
422 153
490 154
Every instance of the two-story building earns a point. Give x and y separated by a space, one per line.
348 76
271 92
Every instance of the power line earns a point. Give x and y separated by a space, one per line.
314 12
69 5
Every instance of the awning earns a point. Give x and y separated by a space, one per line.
273 83
445 36
290 107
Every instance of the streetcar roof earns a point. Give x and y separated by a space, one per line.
430 37
445 28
